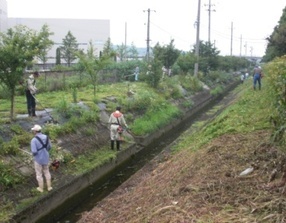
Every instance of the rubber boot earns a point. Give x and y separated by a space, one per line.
30 112
49 185
40 188
34 112
117 145
112 144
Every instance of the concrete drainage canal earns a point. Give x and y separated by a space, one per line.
85 199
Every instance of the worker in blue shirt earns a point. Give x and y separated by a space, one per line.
40 146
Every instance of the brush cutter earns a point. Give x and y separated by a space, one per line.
51 117
128 130
55 164
138 139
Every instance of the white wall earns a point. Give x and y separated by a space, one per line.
3 15
83 30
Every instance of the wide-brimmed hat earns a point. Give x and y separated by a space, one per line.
36 128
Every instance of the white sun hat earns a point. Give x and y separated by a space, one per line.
36 128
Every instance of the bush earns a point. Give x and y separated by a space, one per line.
214 78
141 101
10 148
276 74
154 73
191 83
217 90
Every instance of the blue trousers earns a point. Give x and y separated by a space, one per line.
257 79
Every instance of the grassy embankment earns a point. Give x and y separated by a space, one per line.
251 111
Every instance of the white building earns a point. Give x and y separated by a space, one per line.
3 15
84 30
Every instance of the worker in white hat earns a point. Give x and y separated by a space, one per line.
40 146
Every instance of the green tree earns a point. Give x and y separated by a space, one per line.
132 52
108 49
121 51
186 62
92 64
154 73
45 44
18 47
167 55
208 59
232 63
276 46
58 56
69 49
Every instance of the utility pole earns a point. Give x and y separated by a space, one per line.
196 69
209 28
148 34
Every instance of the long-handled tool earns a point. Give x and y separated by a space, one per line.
51 117
25 151
138 139
55 163
128 130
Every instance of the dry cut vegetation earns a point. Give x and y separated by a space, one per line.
203 186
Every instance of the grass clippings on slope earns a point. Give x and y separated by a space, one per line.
202 187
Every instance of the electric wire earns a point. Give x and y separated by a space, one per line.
222 35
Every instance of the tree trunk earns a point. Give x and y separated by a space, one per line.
12 104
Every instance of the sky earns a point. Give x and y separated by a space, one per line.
237 27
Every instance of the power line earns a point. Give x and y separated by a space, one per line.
171 34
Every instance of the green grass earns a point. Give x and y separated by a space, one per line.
155 118
91 160
7 211
250 112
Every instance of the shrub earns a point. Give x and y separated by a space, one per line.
191 83
276 74
217 90
10 148
8 176
141 101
